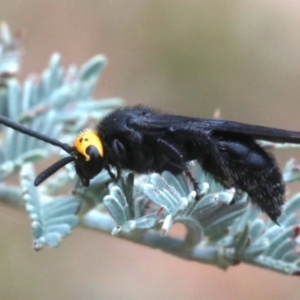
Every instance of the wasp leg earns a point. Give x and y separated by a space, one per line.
111 174
117 151
179 162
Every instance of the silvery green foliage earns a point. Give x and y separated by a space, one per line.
220 231
52 218
9 53
223 228
57 103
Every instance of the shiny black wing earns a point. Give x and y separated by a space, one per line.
156 123
256 132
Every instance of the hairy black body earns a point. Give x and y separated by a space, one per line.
144 140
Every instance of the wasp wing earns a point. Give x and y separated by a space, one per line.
255 131
164 123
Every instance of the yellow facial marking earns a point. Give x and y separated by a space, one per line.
86 139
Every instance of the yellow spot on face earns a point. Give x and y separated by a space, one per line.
86 139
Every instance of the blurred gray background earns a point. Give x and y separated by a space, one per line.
182 56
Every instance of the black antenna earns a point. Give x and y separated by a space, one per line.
23 129
52 169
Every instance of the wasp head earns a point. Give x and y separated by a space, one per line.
88 153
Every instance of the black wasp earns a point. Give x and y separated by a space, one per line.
144 140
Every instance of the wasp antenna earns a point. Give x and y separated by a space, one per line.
52 169
23 129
